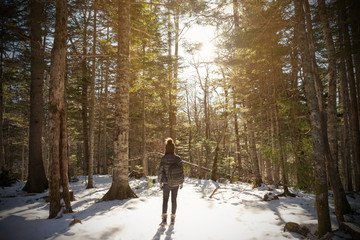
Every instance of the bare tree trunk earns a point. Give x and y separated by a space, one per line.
105 118
37 181
354 9
143 136
84 101
237 138
253 155
342 206
354 117
344 95
215 163
321 189
57 117
317 81
92 108
176 69
273 150
280 154
171 90
23 163
2 157
120 188
190 131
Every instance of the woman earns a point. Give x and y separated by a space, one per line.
171 178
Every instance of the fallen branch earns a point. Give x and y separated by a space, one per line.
214 191
161 154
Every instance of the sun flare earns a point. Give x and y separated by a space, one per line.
203 37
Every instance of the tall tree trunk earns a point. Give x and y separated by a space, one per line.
273 150
280 154
354 117
37 181
92 108
170 78
120 188
237 139
344 95
23 170
215 163
84 101
2 157
59 184
143 136
175 78
317 81
190 129
268 165
145 162
354 9
105 118
342 206
321 189
253 155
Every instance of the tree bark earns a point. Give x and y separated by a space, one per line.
321 189
215 163
237 139
253 155
2 156
353 102
344 96
59 185
282 159
37 181
92 108
172 86
84 101
354 9
317 81
105 171
120 188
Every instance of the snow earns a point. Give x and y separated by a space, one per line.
236 211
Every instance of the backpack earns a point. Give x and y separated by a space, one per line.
176 175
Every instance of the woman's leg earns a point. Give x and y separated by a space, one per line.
166 193
174 192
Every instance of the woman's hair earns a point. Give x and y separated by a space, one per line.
170 146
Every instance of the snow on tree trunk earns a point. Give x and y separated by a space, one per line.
120 188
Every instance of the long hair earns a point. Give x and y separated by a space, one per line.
170 146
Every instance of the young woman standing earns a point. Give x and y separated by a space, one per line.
171 178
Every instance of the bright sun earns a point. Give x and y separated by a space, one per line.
204 36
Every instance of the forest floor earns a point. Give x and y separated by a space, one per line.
236 211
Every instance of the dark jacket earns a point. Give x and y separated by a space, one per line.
165 163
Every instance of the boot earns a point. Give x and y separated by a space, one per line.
163 219
172 219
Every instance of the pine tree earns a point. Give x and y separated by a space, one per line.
37 181
120 188
321 189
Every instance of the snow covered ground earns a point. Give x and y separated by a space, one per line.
236 211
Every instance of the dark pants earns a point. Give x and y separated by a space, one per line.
166 194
